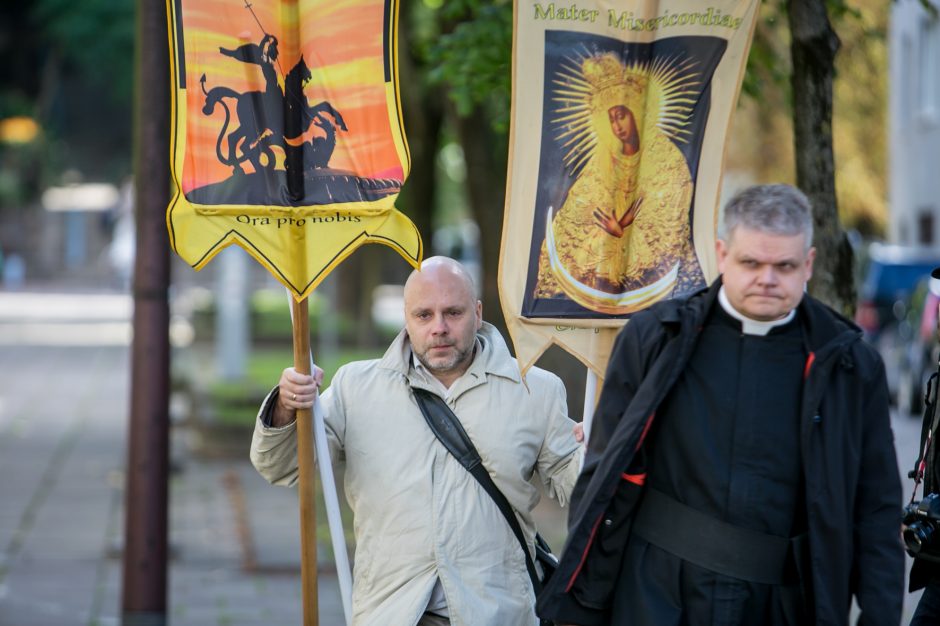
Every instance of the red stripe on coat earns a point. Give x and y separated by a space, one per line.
646 429
584 554
809 363
632 478
636 479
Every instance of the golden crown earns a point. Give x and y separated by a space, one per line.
612 83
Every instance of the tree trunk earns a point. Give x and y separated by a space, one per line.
423 111
486 158
813 49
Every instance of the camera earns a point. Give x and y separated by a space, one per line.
922 521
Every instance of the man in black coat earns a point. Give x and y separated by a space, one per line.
925 573
741 470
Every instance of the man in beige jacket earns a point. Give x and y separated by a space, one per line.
431 545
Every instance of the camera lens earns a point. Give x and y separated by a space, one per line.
918 536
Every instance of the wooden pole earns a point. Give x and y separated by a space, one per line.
305 465
330 499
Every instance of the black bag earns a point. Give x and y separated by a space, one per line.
545 558
447 428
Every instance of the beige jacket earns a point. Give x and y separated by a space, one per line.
419 514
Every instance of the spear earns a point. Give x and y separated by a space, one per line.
288 92
248 6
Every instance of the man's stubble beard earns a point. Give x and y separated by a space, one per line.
461 356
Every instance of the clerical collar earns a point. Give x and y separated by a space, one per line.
749 326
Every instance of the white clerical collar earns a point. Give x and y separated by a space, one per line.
749 326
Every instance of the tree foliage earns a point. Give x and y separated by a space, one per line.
94 38
762 139
473 56
69 66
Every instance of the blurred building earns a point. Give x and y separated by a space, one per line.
76 229
914 124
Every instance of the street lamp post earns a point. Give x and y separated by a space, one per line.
144 592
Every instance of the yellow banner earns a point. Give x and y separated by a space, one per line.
287 133
620 112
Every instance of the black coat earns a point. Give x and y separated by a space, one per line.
853 491
924 572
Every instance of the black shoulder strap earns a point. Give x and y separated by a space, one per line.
925 467
447 428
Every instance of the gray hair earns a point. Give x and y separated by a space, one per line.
772 209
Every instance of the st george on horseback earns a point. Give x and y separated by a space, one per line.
272 117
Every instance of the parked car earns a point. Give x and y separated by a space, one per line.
921 349
888 314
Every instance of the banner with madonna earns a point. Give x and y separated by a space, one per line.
620 113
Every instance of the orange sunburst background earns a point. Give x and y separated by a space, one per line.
341 42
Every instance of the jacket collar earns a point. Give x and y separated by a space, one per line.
823 327
693 309
494 358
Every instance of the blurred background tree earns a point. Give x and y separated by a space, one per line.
69 68
65 117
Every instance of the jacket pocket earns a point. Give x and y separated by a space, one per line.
595 583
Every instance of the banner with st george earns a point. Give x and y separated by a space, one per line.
287 134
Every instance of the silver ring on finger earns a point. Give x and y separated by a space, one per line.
294 397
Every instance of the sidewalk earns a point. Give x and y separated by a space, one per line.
234 539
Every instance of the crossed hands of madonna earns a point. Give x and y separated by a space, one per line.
614 225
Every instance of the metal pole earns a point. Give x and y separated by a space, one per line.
232 333
144 581
331 502
590 397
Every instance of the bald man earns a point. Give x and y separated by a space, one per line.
431 545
